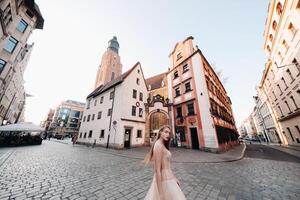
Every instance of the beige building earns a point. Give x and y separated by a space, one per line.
18 18
281 77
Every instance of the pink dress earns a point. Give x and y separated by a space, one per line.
171 190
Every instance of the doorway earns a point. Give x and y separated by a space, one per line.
127 138
194 138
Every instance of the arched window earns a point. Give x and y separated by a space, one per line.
274 25
268 48
271 37
279 8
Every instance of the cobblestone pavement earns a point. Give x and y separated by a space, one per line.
60 171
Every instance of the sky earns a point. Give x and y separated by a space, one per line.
68 51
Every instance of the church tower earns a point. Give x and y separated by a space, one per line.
110 66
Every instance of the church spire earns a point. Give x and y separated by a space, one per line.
110 66
113 45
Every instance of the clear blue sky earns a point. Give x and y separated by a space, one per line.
68 50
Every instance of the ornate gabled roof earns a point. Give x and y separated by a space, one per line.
102 88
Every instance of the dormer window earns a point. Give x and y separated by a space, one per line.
179 55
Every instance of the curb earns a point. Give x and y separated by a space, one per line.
138 158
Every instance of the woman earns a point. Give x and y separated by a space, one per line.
165 185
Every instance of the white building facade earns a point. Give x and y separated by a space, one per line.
115 112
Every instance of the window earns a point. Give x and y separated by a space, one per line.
141 96
296 106
278 86
179 55
11 44
290 75
295 62
274 25
179 111
190 108
84 136
134 93
176 74
139 134
2 65
99 115
280 111
88 118
22 26
137 81
188 87
177 92
112 76
109 112
133 111
29 13
274 95
90 134
279 8
93 117
298 5
80 135
271 37
297 127
284 82
284 43
84 119
101 99
185 68
102 133
140 112
88 103
95 102
286 103
290 134
292 29
111 95
138 71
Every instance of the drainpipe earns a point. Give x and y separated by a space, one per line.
112 109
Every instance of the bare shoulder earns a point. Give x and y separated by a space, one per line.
158 147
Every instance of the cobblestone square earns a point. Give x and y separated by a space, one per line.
60 171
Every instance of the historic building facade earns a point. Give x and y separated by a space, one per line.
125 110
66 118
281 77
158 110
201 112
114 115
18 18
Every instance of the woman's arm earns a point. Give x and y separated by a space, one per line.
158 151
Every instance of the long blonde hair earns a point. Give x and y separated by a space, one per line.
149 155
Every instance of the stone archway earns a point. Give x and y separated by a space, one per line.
157 114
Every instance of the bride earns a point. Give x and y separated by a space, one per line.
165 185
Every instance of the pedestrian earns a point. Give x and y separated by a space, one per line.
164 186
74 138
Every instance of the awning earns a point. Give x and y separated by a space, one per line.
23 126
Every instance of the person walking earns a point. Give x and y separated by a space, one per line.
164 186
